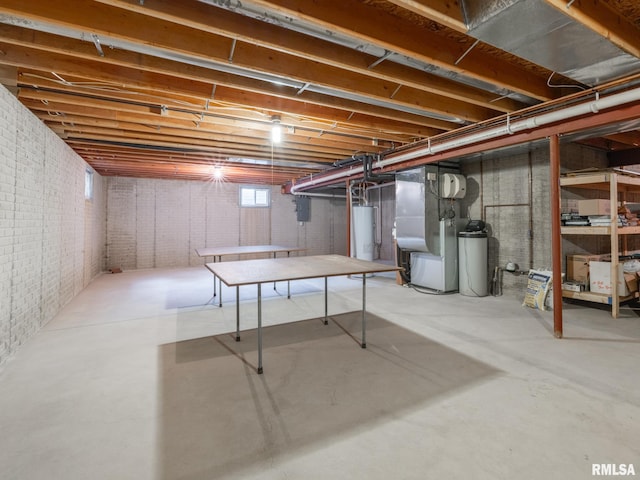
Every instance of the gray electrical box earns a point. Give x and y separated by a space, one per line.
303 208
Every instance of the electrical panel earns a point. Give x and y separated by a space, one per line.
303 208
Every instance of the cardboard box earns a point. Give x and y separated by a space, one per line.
631 279
578 266
600 279
572 286
595 206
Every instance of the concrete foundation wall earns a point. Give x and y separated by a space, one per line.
52 240
511 193
160 223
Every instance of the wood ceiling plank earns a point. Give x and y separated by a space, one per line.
370 87
132 155
601 19
366 87
187 171
374 26
177 144
312 119
105 110
445 12
211 50
254 32
134 130
109 154
139 72
355 127
227 149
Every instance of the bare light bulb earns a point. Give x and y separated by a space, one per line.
276 133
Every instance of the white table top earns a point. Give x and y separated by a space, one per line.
244 249
248 272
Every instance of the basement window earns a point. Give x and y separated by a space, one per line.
88 184
255 197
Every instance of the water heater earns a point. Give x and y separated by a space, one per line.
363 232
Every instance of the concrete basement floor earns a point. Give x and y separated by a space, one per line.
134 380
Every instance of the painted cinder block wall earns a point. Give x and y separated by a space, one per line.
52 240
155 223
511 192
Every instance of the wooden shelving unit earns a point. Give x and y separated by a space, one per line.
616 184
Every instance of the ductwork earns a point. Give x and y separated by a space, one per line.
542 34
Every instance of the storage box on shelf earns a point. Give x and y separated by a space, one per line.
616 185
578 266
596 206
600 279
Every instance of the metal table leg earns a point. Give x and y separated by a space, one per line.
259 329
274 283
288 281
237 313
326 302
364 311
214 278
220 281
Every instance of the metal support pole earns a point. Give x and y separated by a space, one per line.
556 239
259 329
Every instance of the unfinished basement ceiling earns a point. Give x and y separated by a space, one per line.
165 89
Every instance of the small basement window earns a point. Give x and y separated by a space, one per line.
255 197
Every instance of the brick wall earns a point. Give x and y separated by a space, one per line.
159 223
51 238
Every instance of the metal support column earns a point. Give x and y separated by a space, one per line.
556 239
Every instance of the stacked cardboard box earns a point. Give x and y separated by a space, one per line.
578 267
600 279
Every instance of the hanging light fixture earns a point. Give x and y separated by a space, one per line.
276 129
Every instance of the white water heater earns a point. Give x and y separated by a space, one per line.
362 232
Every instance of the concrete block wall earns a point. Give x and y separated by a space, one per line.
52 240
511 192
159 223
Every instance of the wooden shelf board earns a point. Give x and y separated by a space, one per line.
595 297
588 230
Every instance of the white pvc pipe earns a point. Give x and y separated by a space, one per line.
595 106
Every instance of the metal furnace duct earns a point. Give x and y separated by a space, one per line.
542 34
417 211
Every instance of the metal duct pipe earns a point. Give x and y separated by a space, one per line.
595 106
614 100
327 178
